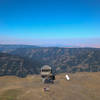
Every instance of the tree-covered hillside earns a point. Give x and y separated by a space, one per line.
64 59
28 60
14 65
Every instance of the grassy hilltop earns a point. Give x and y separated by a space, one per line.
82 86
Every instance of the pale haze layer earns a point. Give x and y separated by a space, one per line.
50 22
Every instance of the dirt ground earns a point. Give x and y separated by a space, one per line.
81 86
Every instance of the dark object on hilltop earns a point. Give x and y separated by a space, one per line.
47 75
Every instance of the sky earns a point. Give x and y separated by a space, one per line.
50 22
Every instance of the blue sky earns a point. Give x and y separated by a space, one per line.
35 21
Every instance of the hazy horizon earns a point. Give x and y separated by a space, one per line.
50 22
56 42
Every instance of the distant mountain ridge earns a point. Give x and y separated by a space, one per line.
60 59
9 48
64 59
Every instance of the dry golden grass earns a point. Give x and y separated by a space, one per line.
82 86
